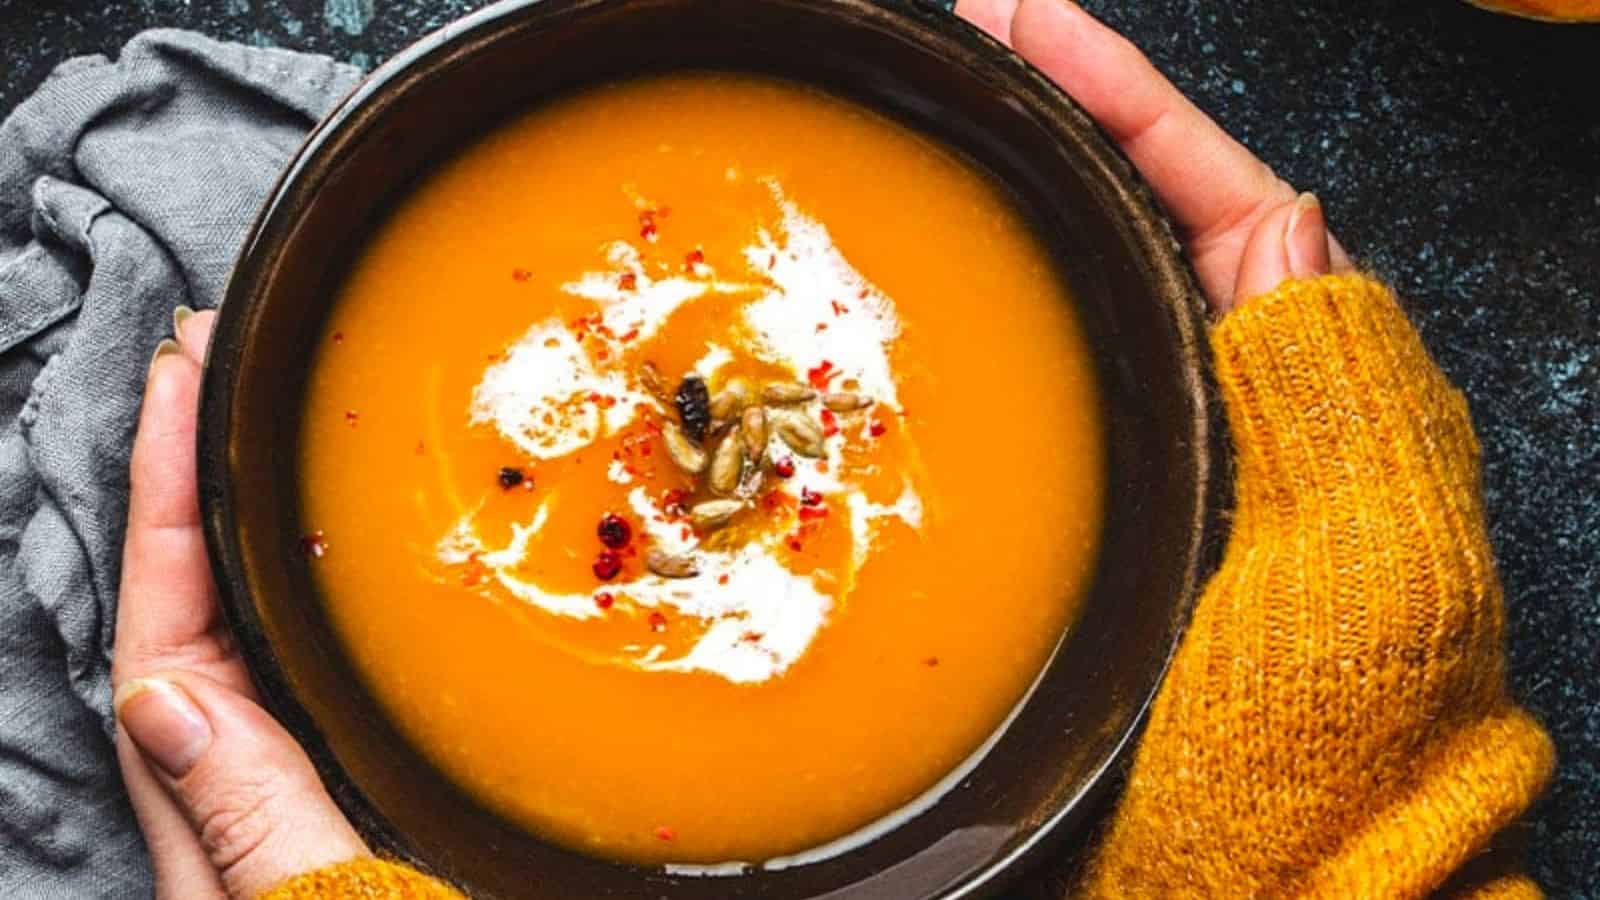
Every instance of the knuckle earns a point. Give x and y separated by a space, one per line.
237 821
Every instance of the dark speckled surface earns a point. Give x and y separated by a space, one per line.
1459 157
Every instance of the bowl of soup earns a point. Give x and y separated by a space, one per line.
689 449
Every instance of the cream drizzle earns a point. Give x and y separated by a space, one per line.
539 397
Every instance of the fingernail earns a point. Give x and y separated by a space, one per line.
167 347
163 723
1305 238
180 315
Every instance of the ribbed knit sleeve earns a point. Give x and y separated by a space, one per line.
1336 721
364 879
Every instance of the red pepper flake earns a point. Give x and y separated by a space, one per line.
520 275
658 624
604 600
614 531
602 354
673 503
839 309
473 572
607 565
511 476
628 282
694 259
629 335
314 545
810 513
775 500
351 417
830 423
808 497
647 225
772 261
752 637
664 833
877 428
820 375
794 543
863 294
784 468
821 327
723 578
931 661
338 337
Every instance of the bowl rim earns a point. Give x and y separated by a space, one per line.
1169 269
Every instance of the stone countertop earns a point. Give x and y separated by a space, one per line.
1458 155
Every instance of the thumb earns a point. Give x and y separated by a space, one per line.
246 787
1290 241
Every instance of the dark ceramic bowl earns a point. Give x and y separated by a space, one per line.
1042 779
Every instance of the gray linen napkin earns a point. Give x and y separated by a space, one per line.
125 190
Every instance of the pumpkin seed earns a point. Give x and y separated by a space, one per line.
798 431
724 406
845 402
731 400
784 393
714 513
669 565
685 455
726 464
753 428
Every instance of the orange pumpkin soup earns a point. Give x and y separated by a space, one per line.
699 468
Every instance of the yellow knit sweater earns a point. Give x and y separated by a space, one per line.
1336 722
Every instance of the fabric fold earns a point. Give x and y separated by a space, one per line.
126 189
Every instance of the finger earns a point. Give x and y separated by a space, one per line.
245 786
1291 241
993 16
167 613
1208 181
167 608
167 599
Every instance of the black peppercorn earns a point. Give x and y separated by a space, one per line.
694 407
614 531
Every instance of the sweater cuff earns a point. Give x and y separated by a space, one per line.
364 879
1325 379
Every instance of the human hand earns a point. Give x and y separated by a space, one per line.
1245 229
228 802
1335 721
